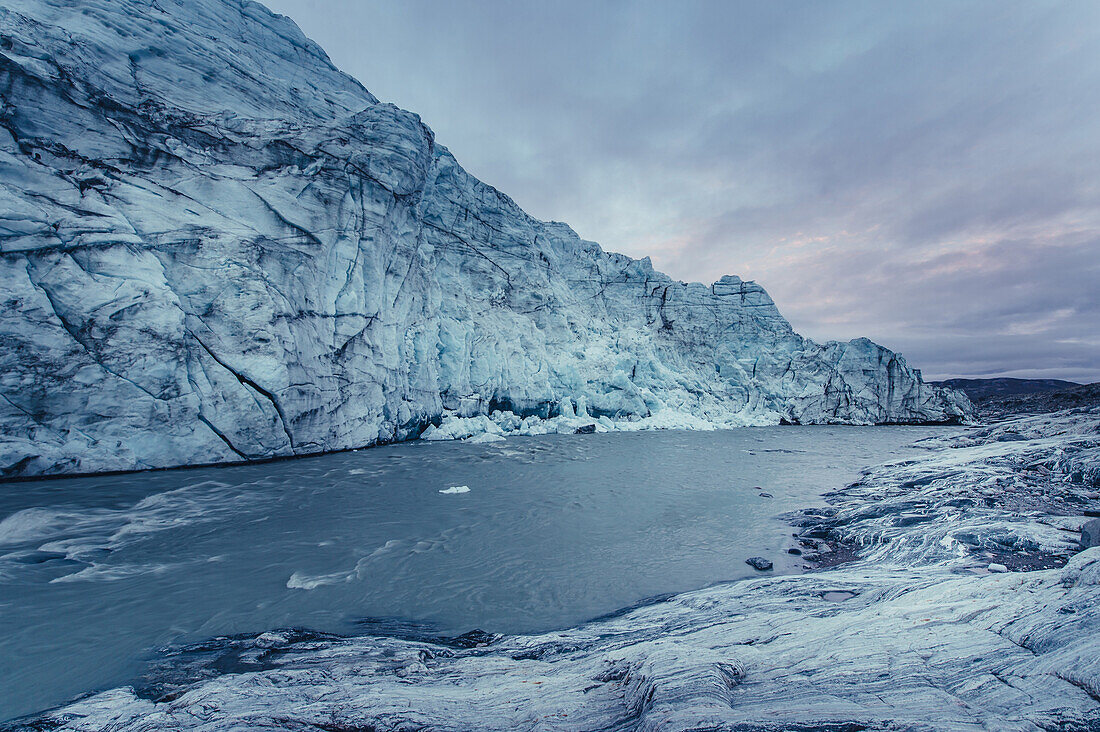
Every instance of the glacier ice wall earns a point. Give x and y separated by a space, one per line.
215 246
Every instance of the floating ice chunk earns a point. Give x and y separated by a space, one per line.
453 427
456 489
507 421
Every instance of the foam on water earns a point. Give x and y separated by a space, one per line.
86 536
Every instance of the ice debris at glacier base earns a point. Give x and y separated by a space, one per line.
915 634
494 427
216 247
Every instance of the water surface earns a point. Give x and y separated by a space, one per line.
95 573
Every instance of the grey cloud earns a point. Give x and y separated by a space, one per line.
923 174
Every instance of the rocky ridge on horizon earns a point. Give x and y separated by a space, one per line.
976 389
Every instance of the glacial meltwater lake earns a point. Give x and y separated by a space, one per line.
97 573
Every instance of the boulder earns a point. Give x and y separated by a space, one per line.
1090 534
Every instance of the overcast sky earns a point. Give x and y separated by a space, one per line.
925 174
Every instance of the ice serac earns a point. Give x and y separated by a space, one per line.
214 246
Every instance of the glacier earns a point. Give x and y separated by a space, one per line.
216 247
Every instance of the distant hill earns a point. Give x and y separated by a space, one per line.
1039 402
979 389
999 398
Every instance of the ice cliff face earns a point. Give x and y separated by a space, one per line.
214 246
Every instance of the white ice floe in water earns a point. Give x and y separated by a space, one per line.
456 489
912 635
214 246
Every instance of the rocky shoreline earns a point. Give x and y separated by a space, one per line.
962 598
1009 406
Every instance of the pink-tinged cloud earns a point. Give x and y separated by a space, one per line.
923 174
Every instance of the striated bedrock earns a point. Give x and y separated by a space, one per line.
215 246
970 605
